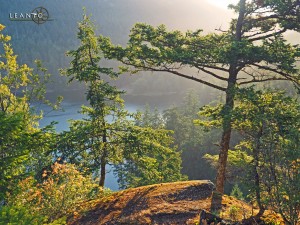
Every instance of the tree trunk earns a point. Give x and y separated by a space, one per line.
225 141
102 171
256 174
103 159
222 162
228 107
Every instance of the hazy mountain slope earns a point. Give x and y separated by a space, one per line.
114 18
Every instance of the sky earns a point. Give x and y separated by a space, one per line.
222 3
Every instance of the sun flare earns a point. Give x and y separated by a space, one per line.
222 3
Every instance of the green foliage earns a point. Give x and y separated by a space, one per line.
254 42
156 49
93 142
180 119
233 212
20 137
148 118
148 158
19 215
191 139
238 163
107 135
62 192
236 192
268 121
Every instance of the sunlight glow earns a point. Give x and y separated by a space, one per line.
222 3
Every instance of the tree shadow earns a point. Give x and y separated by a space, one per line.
137 203
192 193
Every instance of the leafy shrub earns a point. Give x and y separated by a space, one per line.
63 192
20 215
236 192
233 212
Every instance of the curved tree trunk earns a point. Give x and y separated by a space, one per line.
226 136
228 107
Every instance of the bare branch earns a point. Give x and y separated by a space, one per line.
262 80
212 67
196 79
268 35
275 16
211 73
284 76
259 19
168 70
256 32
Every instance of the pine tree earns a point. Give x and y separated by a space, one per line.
268 122
93 142
107 135
253 50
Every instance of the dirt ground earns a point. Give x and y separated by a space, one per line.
167 203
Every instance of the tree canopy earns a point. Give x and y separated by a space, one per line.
110 134
252 50
21 140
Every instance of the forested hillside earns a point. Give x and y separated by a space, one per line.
50 41
115 19
231 115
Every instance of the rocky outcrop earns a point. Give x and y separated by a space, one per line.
189 202
167 203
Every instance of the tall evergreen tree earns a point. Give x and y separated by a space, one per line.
150 155
268 122
252 50
190 138
93 141
107 135
149 158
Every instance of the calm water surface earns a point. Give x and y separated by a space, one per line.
71 110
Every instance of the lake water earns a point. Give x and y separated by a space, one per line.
71 111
